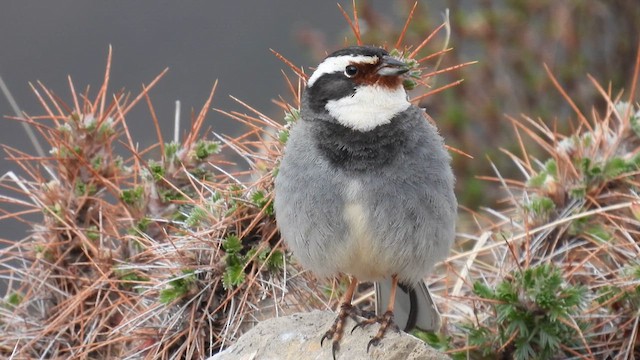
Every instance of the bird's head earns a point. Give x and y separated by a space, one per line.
360 87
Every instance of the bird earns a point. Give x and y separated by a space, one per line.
365 188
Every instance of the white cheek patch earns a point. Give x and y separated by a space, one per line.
338 63
369 107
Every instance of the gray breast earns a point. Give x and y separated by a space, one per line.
369 204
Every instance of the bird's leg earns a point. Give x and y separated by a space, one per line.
346 310
385 320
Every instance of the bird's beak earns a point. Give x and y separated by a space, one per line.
391 66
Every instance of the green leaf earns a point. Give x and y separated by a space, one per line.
233 276
614 167
205 148
283 136
14 299
437 341
540 205
106 128
177 287
132 196
96 162
169 295
92 233
578 192
171 149
82 189
538 180
168 195
262 201
409 84
551 167
196 215
264 253
292 115
276 261
599 233
232 244
483 290
156 169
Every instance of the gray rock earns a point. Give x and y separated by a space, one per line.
298 337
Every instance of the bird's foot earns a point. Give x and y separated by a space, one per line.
385 321
337 329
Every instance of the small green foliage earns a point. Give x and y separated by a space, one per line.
283 136
66 152
177 287
548 174
236 263
168 195
64 128
482 290
55 211
622 296
106 129
132 197
537 180
171 150
92 233
262 201
141 226
578 192
233 276
533 310
478 337
409 82
234 273
437 341
551 168
276 260
130 278
540 205
118 162
96 162
156 169
206 148
292 115
598 232
13 299
83 189
133 277
232 244
195 216
614 167
595 172
234 193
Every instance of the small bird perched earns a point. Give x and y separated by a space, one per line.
365 187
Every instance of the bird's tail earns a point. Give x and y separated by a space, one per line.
413 308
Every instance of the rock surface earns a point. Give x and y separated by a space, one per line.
298 337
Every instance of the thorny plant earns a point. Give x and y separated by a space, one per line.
555 274
174 256
167 252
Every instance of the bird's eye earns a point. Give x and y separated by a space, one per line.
350 71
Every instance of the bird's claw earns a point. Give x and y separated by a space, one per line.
374 341
385 321
337 329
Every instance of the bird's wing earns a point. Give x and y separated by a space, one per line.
414 307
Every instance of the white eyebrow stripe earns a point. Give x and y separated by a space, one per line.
337 64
